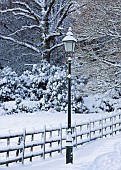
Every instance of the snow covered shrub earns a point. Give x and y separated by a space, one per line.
106 106
45 83
18 106
8 83
112 101
108 102
50 86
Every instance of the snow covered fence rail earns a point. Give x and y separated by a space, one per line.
28 145
96 128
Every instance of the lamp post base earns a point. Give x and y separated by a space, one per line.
69 148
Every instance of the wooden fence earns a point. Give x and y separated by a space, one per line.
27 145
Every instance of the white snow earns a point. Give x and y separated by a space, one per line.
18 122
101 154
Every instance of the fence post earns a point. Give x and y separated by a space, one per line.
32 138
17 151
93 127
112 124
50 141
102 126
75 133
115 124
60 141
80 131
89 130
119 121
8 143
105 119
23 145
44 142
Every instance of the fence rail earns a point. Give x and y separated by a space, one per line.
30 144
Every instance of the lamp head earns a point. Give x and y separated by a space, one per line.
69 41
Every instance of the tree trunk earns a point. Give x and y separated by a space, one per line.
46 42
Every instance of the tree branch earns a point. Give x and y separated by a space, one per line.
49 7
20 43
35 15
110 63
53 47
22 12
54 34
24 28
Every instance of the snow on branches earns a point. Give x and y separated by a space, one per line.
46 84
35 23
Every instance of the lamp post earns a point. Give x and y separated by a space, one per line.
69 43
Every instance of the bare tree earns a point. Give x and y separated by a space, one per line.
34 25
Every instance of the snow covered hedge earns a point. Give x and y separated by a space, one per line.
48 85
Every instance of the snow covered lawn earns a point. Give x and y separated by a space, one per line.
16 123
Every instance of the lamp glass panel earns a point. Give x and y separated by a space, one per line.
73 46
68 46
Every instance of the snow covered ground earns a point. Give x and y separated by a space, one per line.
38 120
101 154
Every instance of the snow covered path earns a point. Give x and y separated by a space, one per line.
101 154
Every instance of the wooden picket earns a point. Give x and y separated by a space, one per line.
29 144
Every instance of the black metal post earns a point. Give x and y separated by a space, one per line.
69 93
69 146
